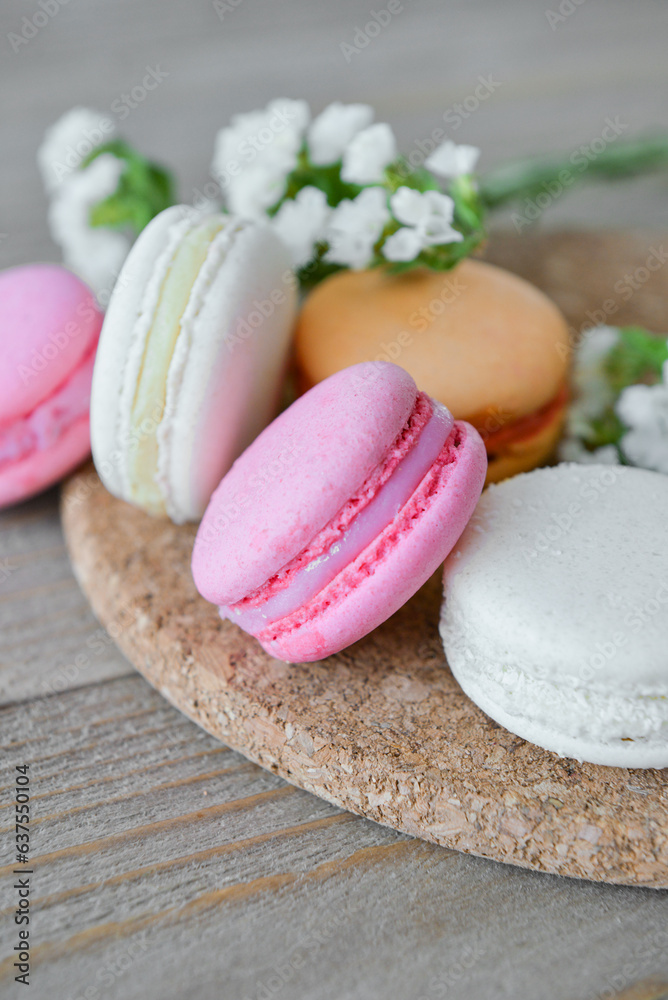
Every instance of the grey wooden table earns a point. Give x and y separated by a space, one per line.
166 865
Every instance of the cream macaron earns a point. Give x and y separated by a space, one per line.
191 358
555 615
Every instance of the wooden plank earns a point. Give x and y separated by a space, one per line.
165 863
354 916
382 728
49 639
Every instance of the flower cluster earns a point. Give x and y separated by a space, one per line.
334 188
620 409
102 194
644 410
339 195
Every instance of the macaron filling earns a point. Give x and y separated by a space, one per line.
148 407
47 423
356 527
524 428
371 559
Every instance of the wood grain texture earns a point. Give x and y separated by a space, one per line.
168 866
382 728
49 639
423 924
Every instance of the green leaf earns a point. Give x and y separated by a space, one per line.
401 174
144 190
469 214
638 356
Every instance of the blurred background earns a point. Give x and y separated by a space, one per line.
134 853
515 78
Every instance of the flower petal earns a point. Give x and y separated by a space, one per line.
404 245
334 128
451 160
69 141
355 226
301 223
368 154
255 153
409 206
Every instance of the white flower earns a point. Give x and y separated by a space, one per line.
301 223
355 227
644 410
593 392
429 215
255 153
95 254
403 245
451 160
368 154
334 128
69 141
595 346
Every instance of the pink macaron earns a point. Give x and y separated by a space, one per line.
338 512
49 327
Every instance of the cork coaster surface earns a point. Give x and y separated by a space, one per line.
382 728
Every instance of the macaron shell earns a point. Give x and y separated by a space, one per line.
227 371
617 753
296 476
485 337
373 594
528 453
49 321
42 469
143 269
555 615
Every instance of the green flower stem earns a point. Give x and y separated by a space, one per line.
528 177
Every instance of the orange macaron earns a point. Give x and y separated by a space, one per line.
484 342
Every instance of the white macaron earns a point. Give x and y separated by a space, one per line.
191 356
555 614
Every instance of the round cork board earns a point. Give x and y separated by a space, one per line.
383 729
